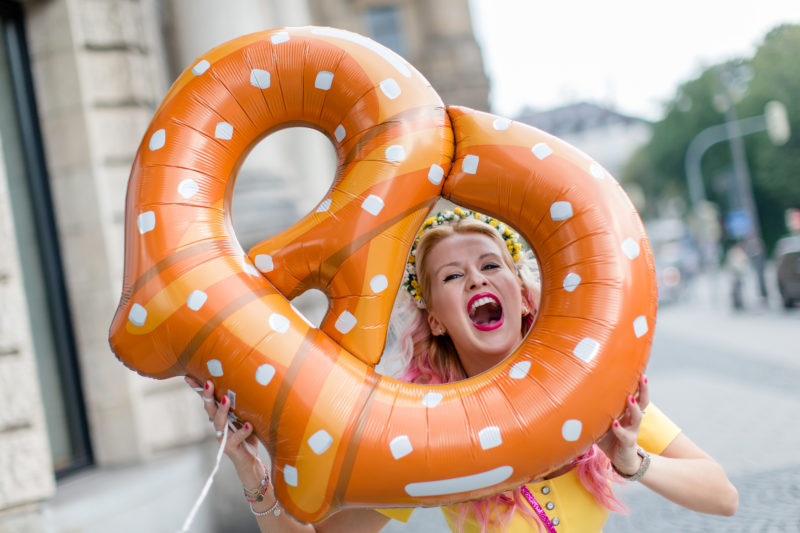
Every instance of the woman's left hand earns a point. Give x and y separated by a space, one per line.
619 442
241 445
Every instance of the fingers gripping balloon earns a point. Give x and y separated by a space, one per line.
194 304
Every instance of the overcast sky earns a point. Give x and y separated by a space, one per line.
631 54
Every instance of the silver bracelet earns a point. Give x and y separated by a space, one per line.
274 509
636 476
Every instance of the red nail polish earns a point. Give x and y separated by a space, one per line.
207 385
616 424
247 425
645 379
633 401
224 400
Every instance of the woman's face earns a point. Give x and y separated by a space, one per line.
475 298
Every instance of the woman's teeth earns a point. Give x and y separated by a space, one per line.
479 302
485 310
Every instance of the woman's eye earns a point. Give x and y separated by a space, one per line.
450 277
490 266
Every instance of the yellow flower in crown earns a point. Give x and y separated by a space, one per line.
509 236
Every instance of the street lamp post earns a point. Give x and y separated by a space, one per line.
705 140
754 243
775 122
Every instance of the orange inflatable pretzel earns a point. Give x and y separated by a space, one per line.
193 303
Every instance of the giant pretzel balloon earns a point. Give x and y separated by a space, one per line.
193 303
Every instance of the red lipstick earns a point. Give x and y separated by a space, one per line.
491 325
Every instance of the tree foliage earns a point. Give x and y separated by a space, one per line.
771 74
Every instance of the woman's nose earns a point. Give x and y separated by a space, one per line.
476 279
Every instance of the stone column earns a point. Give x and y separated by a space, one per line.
24 452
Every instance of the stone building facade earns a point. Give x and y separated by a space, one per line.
85 444
435 36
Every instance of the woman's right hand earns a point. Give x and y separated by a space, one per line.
241 446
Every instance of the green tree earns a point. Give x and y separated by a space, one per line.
775 169
771 74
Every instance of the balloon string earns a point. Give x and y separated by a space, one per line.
538 508
203 493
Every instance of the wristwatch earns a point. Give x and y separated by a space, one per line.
636 476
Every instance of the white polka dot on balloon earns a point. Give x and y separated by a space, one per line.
586 349
345 322
264 374
435 174
372 204
279 323
395 153
597 171
200 67
390 88
379 283
630 248
489 437
501 124
248 267
279 37
470 164
320 441
146 222
290 475
640 326
519 370
541 150
431 399
137 315
560 211
264 263
224 131
214 367
196 300
571 430
571 281
259 78
400 446
324 205
324 80
339 133
157 140
188 188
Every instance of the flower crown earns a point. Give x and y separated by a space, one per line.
510 237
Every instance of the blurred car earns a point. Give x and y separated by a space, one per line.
787 262
676 257
669 273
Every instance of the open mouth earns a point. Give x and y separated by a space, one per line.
485 311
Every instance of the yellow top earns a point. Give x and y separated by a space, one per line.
573 505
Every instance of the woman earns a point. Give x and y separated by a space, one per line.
475 300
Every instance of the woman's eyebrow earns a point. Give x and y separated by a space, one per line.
451 263
456 262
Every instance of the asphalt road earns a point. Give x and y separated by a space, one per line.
732 382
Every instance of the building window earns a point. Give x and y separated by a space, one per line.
385 25
38 247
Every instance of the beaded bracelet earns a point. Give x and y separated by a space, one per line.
274 509
257 494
